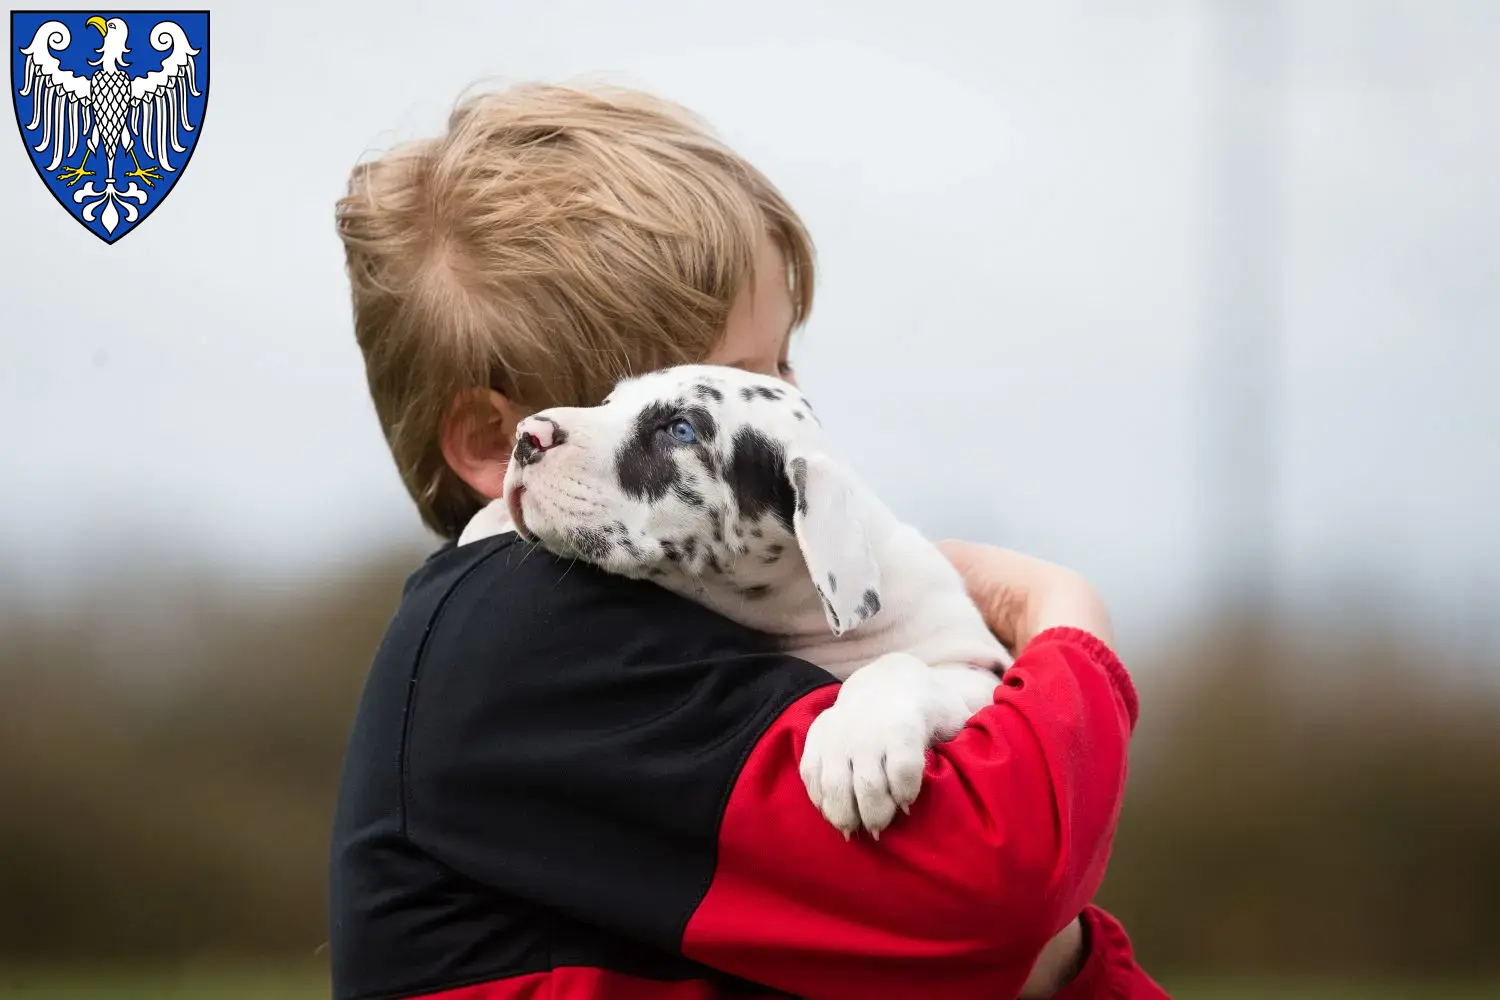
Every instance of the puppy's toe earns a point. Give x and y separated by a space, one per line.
872 793
838 804
811 770
904 767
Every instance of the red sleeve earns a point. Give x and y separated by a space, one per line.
1111 972
1005 845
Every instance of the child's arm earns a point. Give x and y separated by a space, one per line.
1004 847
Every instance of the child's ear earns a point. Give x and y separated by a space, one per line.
478 436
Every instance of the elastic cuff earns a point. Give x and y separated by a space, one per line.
1109 970
1101 654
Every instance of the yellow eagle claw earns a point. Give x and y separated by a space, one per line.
72 175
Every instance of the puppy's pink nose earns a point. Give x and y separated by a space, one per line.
535 435
540 431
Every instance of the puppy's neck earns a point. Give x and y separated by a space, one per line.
764 583
756 577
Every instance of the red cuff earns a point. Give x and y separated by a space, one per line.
1101 654
1110 972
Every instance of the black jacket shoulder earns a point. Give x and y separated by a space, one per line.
536 773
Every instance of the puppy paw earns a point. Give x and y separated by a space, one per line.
865 755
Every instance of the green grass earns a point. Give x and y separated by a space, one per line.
1312 989
191 984
312 984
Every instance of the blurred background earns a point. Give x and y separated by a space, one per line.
1200 298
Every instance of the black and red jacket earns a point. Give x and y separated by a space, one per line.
568 785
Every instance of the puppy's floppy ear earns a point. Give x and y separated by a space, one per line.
831 532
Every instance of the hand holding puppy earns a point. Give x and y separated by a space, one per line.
1021 596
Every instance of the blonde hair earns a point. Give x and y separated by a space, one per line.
551 241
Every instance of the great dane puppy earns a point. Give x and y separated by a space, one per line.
716 484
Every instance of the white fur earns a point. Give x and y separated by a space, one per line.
914 671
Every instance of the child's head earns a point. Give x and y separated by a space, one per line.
549 242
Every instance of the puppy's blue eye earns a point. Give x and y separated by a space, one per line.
682 431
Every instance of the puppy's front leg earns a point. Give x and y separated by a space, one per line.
865 755
974 687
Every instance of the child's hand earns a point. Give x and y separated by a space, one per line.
1021 596
1061 961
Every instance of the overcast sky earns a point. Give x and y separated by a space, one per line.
1010 202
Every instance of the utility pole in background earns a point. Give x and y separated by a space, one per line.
1243 263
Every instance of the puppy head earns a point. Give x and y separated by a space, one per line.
698 474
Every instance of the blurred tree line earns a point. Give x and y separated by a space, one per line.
1299 801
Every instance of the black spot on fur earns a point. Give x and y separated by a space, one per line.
713 562
644 465
799 414
716 519
756 592
703 422
591 543
869 605
833 584
687 494
689 546
756 476
708 392
669 550
833 615
633 550
799 485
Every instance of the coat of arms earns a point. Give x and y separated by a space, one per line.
109 107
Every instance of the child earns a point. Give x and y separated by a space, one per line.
570 784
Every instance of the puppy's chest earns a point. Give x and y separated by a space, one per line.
766 586
787 610
936 639
937 629
841 656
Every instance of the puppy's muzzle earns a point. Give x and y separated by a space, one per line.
535 436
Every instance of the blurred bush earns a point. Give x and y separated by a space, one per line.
168 764
1313 802
1299 802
